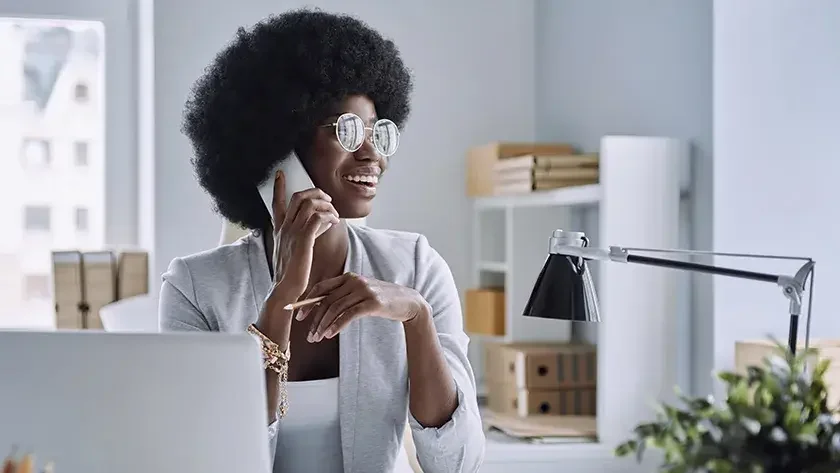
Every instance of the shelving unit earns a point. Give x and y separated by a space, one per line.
636 204
511 242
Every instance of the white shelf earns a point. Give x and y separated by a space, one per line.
579 195
503 449
638 203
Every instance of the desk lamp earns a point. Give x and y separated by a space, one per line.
564 288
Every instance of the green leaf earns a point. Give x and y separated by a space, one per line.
626 448
730 378
753 426
821 368
774 418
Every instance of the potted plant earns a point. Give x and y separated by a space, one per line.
775 420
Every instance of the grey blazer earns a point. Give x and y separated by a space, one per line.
222 290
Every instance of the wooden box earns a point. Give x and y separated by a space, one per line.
481 162
752 352
508 399
541 365
485 311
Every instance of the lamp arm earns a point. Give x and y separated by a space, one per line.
575 244
793 287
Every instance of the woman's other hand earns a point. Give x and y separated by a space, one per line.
350 296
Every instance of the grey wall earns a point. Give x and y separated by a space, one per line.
635 67
474 72
776 118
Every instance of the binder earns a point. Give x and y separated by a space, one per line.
84 282
68 289
99 283
132 274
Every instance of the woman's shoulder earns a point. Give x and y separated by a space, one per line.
392 244
400 251
384 237
215 262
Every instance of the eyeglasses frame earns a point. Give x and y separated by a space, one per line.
372 138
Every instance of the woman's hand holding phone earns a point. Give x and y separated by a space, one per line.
308 215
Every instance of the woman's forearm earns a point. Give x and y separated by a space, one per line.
276 324
432 393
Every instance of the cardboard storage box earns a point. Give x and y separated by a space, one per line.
132 274
100 284
481 160
84 282
507 399
541 365
68 285
752 352
485 311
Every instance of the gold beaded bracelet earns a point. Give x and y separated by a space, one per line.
276 360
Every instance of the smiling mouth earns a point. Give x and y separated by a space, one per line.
363 180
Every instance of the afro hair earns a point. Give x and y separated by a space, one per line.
265 92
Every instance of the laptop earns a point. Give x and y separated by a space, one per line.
92 402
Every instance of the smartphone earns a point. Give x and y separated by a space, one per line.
297 179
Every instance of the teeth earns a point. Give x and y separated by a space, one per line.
369 179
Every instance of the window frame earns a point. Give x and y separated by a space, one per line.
77 146
77 212
25 219
81 98
24 159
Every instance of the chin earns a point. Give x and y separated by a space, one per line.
360 210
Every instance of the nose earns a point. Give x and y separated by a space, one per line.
367 152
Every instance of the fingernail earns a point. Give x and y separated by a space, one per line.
329 199
277 175
329 333
299 315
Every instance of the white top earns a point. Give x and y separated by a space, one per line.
309 436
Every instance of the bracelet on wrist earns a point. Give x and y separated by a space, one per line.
276 360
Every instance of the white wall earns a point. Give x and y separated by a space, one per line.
474 72
777 150
630 67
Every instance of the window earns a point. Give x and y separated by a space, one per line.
36 286
81 93
81 219
52 67
37 218
80 153
36 153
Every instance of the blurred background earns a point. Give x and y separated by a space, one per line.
93 160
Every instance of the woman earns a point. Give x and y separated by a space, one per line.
387 339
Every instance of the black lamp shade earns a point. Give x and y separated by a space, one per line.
564 291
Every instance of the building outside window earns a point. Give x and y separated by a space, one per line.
81 93
81 219
36 286
37 218
51 112
36 153
80 153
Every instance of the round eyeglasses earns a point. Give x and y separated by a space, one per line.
351 132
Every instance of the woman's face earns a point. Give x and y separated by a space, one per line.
350 178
